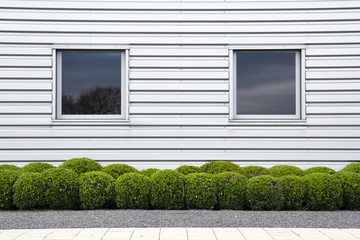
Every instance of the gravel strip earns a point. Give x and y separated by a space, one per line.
189 218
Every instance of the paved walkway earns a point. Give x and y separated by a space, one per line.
182 234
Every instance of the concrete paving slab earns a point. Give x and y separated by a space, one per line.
91 234
146 234
310 234
173 233
63 234
201 234
338 234
255 234
182 234
282 234
355 232
228 234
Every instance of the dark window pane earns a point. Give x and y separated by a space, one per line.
91 82
266 82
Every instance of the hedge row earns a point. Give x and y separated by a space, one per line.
82 183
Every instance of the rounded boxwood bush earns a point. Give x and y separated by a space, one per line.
29 191
294 192
61 188
264 193
96 190
7 180
319 170
81 165
352 167
283 170
216 167
230 190
148 172
167 190
323 192
185 169
9 167
253 171
350 184
132 190
37 167
118 169
200 191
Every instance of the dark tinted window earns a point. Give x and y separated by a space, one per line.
91 82
266 82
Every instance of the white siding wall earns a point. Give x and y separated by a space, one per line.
179 81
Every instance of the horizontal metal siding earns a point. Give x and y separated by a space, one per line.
179 82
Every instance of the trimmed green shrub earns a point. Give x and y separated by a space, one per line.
148 172
185 169
167 190
61 188
200 191
264 193
230 190
132 191
96 190
9 167
37 167
293 188
350 184
323 192
253 171
7 180
352 167
319 170
29 191
81 165
216 167
118 169
283 170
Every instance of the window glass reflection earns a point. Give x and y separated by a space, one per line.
266 82
91 82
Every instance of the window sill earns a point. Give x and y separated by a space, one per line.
280 122
89 122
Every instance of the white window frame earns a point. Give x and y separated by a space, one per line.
57 90
299 82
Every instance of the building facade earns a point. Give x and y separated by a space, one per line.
166 83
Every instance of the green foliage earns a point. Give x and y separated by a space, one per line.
350 183
253 171
264 193
352 167
230 190
132 191
200 191
29 191
38 167
323 192
9 167
148 172
319 170
118 169
96 190
7 180
185 169
216 167
283 170
81 165
167 190
294 192
61 188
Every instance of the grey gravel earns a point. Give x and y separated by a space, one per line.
177 218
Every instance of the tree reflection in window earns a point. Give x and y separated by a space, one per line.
99 100
90 82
